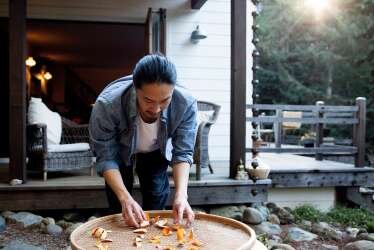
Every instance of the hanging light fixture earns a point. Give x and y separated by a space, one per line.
30 62
47 76
197 35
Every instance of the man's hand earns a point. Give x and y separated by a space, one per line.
132 213
180 208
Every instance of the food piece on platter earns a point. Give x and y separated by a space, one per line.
161 223
140 231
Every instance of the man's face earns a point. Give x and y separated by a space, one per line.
152 99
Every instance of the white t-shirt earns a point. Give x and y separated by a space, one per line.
146 140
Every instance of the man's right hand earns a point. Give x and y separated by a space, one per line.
132 213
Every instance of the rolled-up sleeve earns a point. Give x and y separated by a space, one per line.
103 137
184 137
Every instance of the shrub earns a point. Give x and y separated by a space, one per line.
308 212
354 217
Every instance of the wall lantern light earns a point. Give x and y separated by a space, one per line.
197 35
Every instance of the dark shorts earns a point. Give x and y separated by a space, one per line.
154 182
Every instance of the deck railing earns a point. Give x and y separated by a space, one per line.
317 115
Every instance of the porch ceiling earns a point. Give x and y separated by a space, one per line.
126 11
86 44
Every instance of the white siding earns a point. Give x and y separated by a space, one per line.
321 198
204 68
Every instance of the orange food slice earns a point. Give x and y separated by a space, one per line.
147 216
193 248
191 235
166 231
180 235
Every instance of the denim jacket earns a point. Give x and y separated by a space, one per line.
113 129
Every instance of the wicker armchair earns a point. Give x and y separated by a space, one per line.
42 160
201 153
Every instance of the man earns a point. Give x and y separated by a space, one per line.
135 122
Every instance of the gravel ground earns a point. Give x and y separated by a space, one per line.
36 237
33 236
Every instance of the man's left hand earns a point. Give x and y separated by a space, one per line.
181 209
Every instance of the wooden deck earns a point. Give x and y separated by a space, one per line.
79 190
71 190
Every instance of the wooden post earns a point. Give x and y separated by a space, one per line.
278 129
163 31
238 83
319 132
17 89
359 132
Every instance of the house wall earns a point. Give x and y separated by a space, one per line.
321 198
204 68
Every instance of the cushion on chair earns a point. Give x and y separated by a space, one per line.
65 148
38 112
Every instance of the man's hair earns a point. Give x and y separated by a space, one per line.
154 68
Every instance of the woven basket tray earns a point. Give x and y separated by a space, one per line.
215 232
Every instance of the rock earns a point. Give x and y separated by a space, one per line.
252 216
267 228
273 219
362 236
64 224
284 216
271 206
241 208
2 224
306 225
232 212
25 219
320 227
283 247
288 209
72 217
327 230
360 245
6 214
366 236
329 247
263 210
70 229
48 220
298 234
352 232
94 217
274 240
53 229
370 237
20 245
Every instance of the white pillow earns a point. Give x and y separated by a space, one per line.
38 112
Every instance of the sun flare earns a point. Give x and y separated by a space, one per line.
319 7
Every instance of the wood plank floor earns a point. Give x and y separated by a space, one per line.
279 163
67 190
